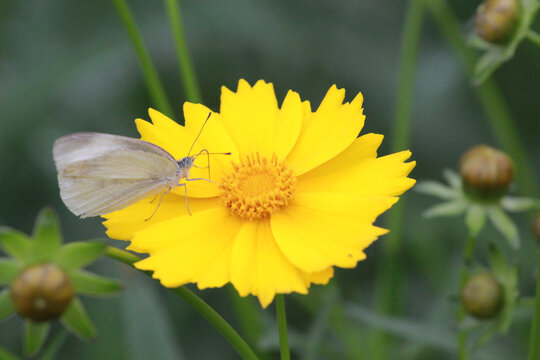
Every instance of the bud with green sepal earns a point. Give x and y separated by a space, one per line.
44 277
480 193
486 172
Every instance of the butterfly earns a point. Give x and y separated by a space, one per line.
101 173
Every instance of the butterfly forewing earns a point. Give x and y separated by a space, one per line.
101 173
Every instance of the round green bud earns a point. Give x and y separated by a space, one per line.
496 20
486 172
41 292
482 296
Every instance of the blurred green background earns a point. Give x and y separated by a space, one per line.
68 66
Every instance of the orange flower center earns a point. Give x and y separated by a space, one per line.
257 187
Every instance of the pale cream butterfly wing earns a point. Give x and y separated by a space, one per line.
102 173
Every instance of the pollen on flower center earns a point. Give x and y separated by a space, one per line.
257 187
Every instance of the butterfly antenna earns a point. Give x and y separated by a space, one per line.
199 134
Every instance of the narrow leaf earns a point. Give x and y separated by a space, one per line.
34 336
16 244
8 270
6 355
452 177
79 254
475 219
47 238
505 225
518 204
76 320
413 331
6 305
436 189
51 350
92 284
453 208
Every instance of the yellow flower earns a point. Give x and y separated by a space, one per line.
298 195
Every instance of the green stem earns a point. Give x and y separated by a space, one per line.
241 347
534 341
490 97
282 326
534 37
389 274
462 334
189 80
155 88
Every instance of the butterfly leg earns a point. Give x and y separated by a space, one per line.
157 207
185 197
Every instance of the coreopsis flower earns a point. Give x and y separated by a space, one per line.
297 197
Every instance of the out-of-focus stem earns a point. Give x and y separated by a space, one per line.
155 88
389 276
189 80
462 334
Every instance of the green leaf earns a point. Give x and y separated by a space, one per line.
47 238
16 244
475 219
6 355
9 269
34 336
78 254
51 350
413 331
451 208
519 204
6 304
436 189
92 284
505 225
76 320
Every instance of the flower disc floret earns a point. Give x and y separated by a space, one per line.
257 187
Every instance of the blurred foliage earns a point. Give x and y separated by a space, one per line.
68 66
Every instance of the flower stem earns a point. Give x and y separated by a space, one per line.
389 274
241 347
155 88
282 326
184 61
490 97
534 37
462 334
534 343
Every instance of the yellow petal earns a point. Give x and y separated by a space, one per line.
314 238
186 249
258 267
320 277
254 122
123 224
326 133
385 175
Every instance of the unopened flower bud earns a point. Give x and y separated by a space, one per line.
41 292
536 227
482 296
487 173
496 20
